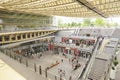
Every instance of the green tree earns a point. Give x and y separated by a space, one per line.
69 25
65 25
99 22
86 22
79 24
73 24
115 63
114 24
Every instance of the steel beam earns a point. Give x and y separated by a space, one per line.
91 7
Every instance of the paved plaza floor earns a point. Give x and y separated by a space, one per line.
45 61
13 70
49 58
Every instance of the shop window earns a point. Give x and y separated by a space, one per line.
79 53
88 35
69 51
62 49
77 44
73 41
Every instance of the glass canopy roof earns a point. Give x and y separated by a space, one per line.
71 8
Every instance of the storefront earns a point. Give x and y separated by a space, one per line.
50 47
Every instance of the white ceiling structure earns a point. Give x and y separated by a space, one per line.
71 8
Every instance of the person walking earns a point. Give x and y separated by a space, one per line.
61 60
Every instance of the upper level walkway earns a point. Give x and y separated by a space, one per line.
18 43
10 37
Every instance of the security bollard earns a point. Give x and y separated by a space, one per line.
46 72
40 71
35 67
26 63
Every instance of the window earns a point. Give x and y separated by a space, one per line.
13 37
39 33
6 38
36 34
43 32
19 37
32 34
28 35
24 36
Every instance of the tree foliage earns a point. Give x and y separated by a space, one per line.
86 22
99 22
115 62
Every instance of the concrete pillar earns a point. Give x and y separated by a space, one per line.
21 35
30 35
35 34
10 37
38 34
45 32
16 38
26 35
86 42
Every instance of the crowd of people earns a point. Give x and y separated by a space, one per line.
28 52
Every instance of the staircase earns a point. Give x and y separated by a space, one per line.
76 32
